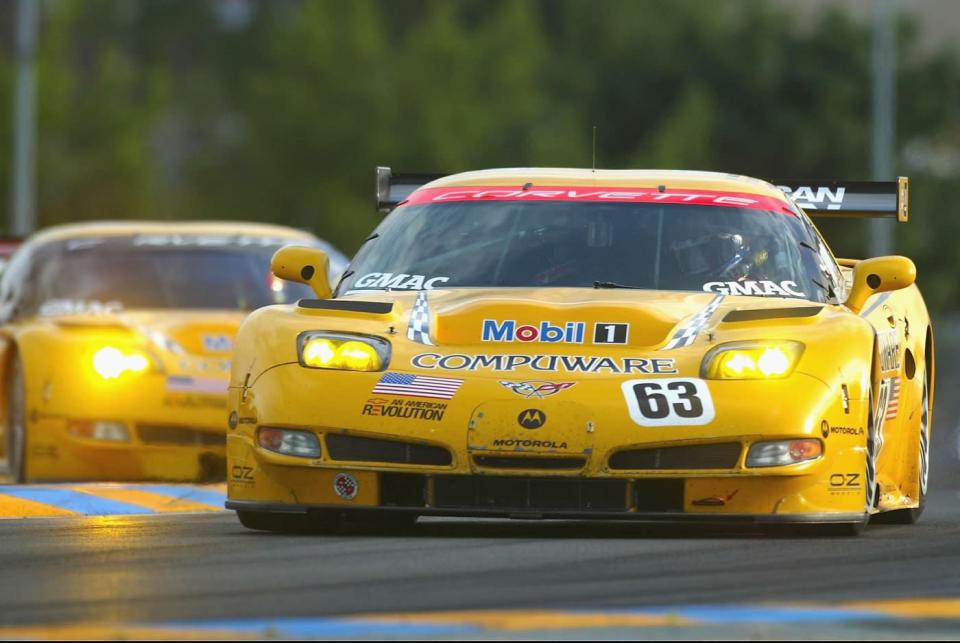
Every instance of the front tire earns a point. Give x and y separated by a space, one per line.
912 515
16 428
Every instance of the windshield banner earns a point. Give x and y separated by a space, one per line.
602 194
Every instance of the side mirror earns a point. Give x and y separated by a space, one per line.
880 274
304 265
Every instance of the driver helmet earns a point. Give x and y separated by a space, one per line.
717 255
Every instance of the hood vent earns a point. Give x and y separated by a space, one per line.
759 314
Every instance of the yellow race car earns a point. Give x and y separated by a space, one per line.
559 343
116 340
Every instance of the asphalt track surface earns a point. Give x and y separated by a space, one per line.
203 575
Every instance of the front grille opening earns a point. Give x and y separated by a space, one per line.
529 494
160 434
723 455
521 462
658 495
403 490
359 449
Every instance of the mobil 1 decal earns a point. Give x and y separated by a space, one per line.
549 332
609 333
668 402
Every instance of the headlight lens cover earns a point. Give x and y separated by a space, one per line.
343 351
781 452
289 442
111 362
752 360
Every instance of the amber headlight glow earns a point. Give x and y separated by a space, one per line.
755 360
342 351
111 362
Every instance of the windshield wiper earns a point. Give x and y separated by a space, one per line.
828 289
613 284
346 273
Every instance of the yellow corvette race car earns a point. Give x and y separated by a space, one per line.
655 345
116 340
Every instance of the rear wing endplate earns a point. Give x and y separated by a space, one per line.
850 198
393 189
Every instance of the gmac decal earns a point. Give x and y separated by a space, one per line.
762 288
399 281
53 307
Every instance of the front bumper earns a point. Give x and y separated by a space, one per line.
164 451
663 473
174 434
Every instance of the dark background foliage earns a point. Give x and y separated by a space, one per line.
279 111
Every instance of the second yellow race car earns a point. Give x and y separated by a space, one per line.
562 343
116 341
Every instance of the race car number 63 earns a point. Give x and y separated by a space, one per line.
668 402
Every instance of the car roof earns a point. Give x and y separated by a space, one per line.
122 228
554 176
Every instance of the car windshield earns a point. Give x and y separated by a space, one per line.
188 272
656 246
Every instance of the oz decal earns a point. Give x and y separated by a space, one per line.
669 402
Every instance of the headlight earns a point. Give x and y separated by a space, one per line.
775 454
289 442
755 360
343 351
109 431
110 362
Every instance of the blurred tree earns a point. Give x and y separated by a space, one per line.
278 111
96 107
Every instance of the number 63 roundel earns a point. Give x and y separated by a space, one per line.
669 402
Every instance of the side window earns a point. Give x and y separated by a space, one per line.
12 284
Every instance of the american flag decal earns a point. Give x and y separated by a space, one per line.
893 402
178 384
439 388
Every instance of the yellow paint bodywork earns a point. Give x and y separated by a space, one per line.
62 389
826 397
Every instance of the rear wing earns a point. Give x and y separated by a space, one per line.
816 198
850 198
393 189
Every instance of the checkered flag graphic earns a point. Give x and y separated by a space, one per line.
689 331
419 328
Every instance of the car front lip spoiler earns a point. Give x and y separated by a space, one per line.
659 517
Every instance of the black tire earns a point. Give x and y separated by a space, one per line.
16 429
912 515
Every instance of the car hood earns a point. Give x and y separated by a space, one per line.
206 334
652 319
